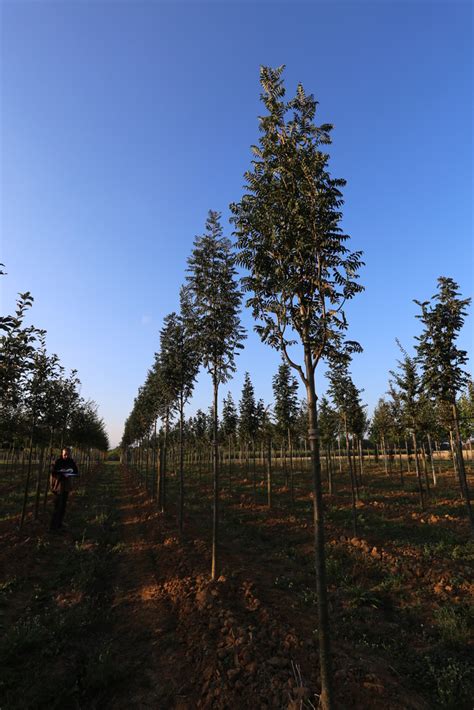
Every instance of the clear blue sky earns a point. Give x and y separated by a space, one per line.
123 123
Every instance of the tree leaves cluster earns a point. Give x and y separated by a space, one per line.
39 401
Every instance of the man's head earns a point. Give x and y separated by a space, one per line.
66 453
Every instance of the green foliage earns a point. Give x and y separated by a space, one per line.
37 399
214 301
230 418
287 228
346 397
248 422
285 389
382 422
442 361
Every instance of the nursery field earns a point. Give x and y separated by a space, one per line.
120 611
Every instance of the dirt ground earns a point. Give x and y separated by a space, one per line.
119 612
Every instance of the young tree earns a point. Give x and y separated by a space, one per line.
180 361
285 389
300 271
214 307
328 428
409 386
381 426
442 361
230 422
345 396
247 426
17 348
466 413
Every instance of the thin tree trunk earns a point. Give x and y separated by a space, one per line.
326 698
453 454
50 463
215 517
27 481
38 481
292 480
254 475
460 465
147 461
384 451
425 468
433 472
418 473
154 464
163 470
402 482
361 461
269 472
354 491
181 464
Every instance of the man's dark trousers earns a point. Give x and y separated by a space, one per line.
60 500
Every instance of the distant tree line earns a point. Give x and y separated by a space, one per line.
41 409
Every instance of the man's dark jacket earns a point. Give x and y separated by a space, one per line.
59 482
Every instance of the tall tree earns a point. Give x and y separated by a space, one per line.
285 389
214 310
301 272
443 362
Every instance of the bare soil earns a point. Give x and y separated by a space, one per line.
119 612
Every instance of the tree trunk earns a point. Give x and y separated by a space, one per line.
269 472
384 450
331 471
433 472
38 481
50 463
361 460
460 465
326 699
453 454
292 481
339 452
418 473
181 464
154 464
163 468
402 482
147 464
354 491
425 468
408 456
215 469
27 481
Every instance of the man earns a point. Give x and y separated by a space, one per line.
62 474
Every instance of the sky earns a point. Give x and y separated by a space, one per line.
123 123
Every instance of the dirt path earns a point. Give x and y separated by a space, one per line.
144 619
